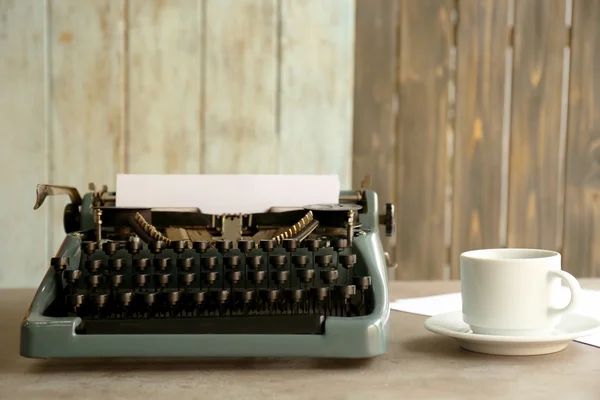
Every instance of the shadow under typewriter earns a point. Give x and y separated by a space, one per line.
141 283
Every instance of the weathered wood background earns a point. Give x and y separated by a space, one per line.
476 118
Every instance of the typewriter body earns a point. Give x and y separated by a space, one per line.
144 282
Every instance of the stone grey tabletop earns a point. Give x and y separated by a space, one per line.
418 365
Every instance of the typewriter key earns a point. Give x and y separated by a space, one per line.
290 245
329 275
348 260
116 264
199 297
125 298
142 280
100 299
339 244
312 244
208 262
323 260
254 262
220 295
173 297
116 280
270 295
281 276
223 246
187 278
277 260
149 298
89 247
231 260
162 279
75 300
299 260
305 275
93 265
363 282
320 293
267 245
59 263
210 277
245 295
201 246
141 264
72 275
156 246
110 248
185 263
179 246
295 295
346 291
134 246
257 277
161 263
245 246
234 277
94 280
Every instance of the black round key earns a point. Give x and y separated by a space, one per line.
141 264
295 295
173 297
270 295
199 297
125 298
299 260
231 260
312 244
277 260
234 277
257 277
185 263
59 263
149 298
323 259
201 246
305 275
245 245
348 260
116 280
210 277
93 265
267 245
339 243
187 278
281 276
116 264
75 300
142 279
134 246
72 275
161 263
254 262
179 246
347 291
245 295
89 247
100 299
320 293
110 248
363 282
156 246
208 262
220 295
290 244
162 279
223 246
94 280
329 275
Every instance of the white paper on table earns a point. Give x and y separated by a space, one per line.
222 194
439 304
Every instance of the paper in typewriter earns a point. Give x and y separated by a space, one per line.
221 194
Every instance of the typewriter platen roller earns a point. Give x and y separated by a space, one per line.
308 281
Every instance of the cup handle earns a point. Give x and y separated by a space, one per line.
575 289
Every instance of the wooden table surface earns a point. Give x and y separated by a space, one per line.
418 365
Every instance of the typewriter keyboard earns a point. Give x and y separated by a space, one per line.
211 287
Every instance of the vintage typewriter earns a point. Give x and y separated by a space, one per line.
131 282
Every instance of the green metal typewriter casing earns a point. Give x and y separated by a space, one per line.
179 283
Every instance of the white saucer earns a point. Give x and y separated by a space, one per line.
572 326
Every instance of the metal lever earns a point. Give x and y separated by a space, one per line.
43 191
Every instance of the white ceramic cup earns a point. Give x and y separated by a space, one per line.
513 292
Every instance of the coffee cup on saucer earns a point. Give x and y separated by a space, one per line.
514 292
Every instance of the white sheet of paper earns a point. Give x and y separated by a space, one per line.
221 194
439 304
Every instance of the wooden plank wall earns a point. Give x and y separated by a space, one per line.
495 135
91 89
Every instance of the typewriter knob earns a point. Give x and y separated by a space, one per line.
116 264
329 275
156 246
323 260
277 260
185 263
267 245
299 260
89 247
179 246
134 247
389 219
223 246
71 218
141 264
93 265
348 260
161 263
340 244
209 262
110 248
290 244
231 260
59 263
312 244
245 246
201 246
254 262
